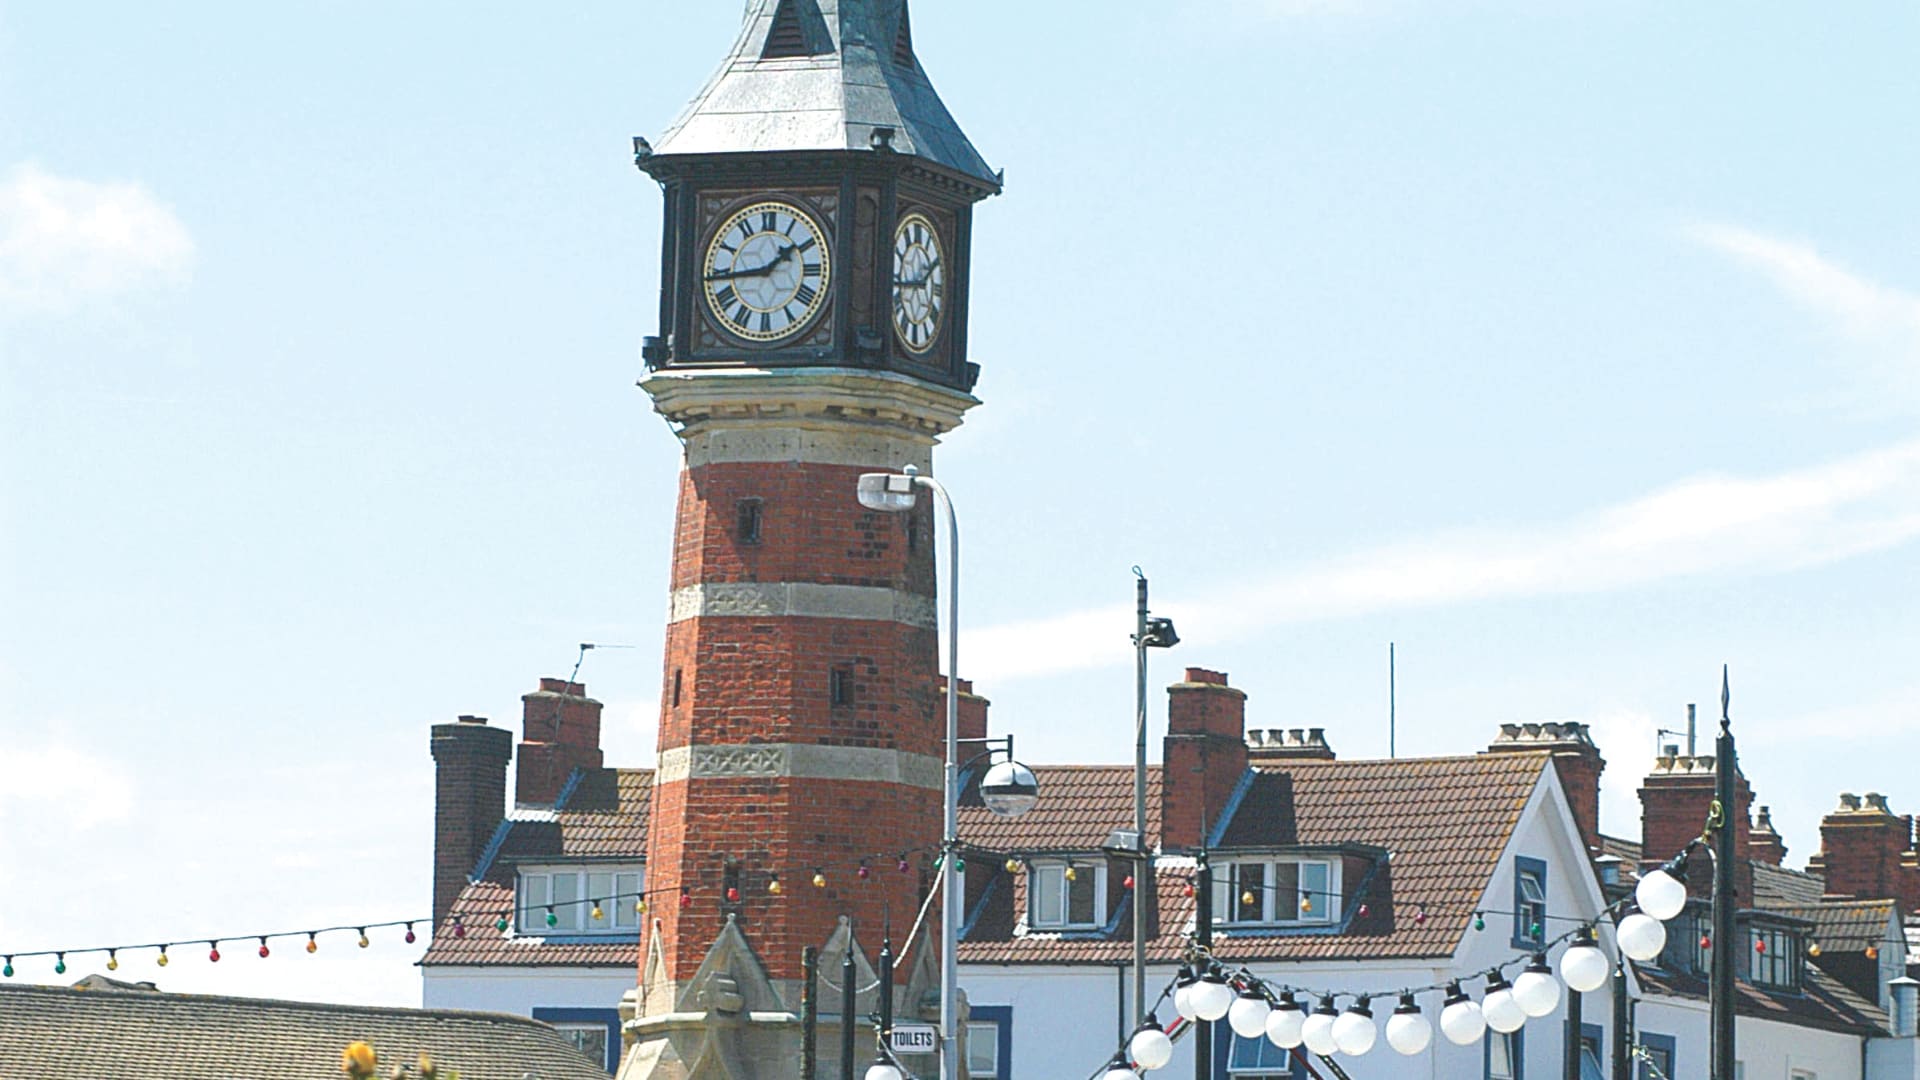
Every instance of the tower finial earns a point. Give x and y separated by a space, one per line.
1726 697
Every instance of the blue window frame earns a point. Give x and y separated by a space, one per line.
1257 1059
1529 902
1505 1056
1593 1044
1001 1018
1661 1049
588 1029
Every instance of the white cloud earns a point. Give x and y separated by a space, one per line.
1883 319
64 242
1710 525
59 784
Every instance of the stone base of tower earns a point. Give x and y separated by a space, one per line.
730 1021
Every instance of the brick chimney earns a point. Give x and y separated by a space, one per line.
1864 851
1765 844
973 712
560 732
1674 801
1575 758
1205 754
469 799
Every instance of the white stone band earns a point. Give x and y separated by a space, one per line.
771 599
807 761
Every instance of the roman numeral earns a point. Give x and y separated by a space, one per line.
806 293
742 317
766 322
805 246
769 221
725 297
788 311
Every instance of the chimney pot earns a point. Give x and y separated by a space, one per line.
1202 675
1877 801
468 719
1849 801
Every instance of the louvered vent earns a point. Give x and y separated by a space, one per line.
787 37
903 41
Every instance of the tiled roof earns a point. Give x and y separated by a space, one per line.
56 1033
1443 822
603 817
1776 887
1848 925
1079 807
1823 1003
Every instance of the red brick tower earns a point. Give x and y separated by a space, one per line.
813 311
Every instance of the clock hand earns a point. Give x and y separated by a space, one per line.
923 278
759 271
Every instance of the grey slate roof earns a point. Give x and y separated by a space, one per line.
57 1033
830 100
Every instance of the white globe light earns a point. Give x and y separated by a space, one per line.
1536 990
1118 1073
1211 997
1584 967
1641 936
1503 1013
1248 1015
1317 1033
1408 1031
1009 789
1462 1022
883 1071
1183 1000
1660 895
1284 1024
1150 1048
1354 1031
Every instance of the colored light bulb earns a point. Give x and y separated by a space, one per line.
263 948
775 887
60 964
459 930
500 924
1127 882
863 871
1479 923
213 954
1072 873
312 945
1306 902
1247 898
819 879
1362 912
1420 917
7 971
113 961
1706 941
161 959
733 894
363 939
686 899
409 933
552 919
1759 945
903 864
1013 865
640 906
1813 949
1187 889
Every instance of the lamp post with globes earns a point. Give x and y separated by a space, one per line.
1008 789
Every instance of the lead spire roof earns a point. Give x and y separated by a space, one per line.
822 75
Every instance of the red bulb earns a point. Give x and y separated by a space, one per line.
733 895
903 866
1706 942
1363 911
686 899
1759 946
1127 882
213 956
1420 917
409 935
1187 889
459 930
863 870
263 952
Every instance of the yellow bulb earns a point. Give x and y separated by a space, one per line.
1306 903
598 914
1247 898
363 941
162 960
774 886
1072 874
112 964
1813 949
640 907
1013 866
312 945
819 880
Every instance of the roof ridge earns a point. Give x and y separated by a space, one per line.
292 1004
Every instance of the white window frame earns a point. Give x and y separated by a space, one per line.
983 1034
1274 911
1041 871
572 890
570 1028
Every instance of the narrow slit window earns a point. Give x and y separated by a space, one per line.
746 527
676 688
840 686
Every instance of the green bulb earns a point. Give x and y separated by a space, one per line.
500 925
1535 931
1479 923
552 919
59 967
7 971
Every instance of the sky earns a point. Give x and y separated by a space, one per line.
1571 347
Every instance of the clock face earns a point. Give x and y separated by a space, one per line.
766 271
919 283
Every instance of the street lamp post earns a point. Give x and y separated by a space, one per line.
1148 632
1014 791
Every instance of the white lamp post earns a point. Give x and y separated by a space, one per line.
1008 789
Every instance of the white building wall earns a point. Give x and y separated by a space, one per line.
1766 1050
518 990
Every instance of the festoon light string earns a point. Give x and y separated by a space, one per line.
1292 1016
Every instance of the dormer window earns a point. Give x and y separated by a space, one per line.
1066 895
1774 952
1276 892
571 897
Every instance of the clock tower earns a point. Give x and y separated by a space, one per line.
813 326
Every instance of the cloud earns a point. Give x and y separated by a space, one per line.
57 783
1884 319
1709 525
65 242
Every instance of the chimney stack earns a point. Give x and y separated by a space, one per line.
1204 757
560 732
973 712
1675 799
1865 852
469 799
1765 845
1575 758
